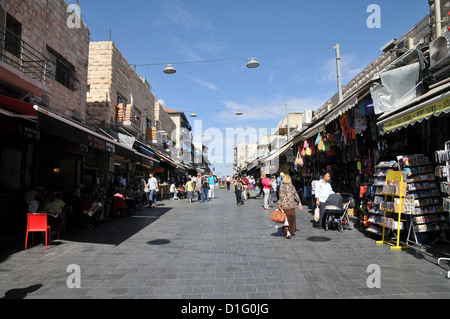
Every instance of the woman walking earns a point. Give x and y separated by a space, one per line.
238 186
273 191
204 190
265 181
288 197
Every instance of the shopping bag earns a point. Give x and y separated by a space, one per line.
317 214
278 216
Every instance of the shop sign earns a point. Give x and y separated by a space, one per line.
423 113
101 144
15 128
71 145
147 162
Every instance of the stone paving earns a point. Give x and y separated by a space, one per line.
216 250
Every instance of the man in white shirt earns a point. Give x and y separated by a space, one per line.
212 180
322 191
152 185
228 180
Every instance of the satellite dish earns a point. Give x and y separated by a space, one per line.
162 103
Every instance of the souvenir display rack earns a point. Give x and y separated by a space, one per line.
394 191
423 202
377 218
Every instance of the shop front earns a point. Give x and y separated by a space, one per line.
18 144
417 138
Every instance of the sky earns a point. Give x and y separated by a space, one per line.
209 43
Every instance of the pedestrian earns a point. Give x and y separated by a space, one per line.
279 182
322 191
198 185
266 189
174 190
211 180
245 184
144 193
228 182
273 190
238 187
190 189
205 189
153 186
288 197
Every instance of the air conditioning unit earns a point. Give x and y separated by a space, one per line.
440 52
307 117
409 44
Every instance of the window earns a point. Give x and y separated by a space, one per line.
13 35
121 100
61 70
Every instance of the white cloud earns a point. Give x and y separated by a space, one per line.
209 85
175 14
259 110
350 67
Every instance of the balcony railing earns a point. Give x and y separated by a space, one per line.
22 56
128 118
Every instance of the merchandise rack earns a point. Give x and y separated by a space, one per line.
376 213
444 157
423 203
394 189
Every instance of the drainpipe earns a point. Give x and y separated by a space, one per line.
437 14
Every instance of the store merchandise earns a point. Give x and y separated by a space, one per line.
423 202
386 216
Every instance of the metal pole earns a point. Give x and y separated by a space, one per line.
437 13
338 66
288 123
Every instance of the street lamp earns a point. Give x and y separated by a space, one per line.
252 64
170 69
239 113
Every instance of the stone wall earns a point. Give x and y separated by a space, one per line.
110 75
44 24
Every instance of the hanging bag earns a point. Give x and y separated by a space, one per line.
299 159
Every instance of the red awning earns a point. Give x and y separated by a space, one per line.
17 106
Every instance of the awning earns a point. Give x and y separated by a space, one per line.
341 109
279 152
164 157
55 124
252 165
17 106
311 131
418 110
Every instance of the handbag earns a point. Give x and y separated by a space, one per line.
278 216
299 160
317 214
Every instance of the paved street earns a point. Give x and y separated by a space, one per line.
217 250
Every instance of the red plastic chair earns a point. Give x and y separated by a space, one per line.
37 223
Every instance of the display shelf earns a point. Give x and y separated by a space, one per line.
374 214
443 172
423 202
392 221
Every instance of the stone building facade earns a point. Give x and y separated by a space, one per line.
42 31
118 96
